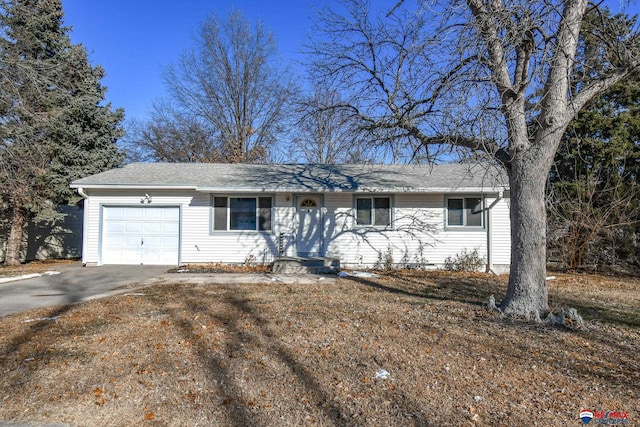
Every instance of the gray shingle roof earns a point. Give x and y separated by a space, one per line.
299 178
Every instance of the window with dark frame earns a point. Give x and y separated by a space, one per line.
242 213
374 211
464 212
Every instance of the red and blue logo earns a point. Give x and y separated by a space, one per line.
604 417
586 416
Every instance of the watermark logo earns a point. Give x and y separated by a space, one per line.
604 417
586 416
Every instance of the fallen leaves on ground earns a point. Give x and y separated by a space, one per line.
31 267
406 348
217 267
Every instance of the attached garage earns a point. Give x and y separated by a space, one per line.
188 213
140 235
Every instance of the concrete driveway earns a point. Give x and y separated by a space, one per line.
74 284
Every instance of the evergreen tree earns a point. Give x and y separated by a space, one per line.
594 207
55 126
593 193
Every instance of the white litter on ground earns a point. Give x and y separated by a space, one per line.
50 273
41 319
382 374
357 274
27 276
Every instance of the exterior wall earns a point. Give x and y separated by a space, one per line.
417 238
198 244
202 245
98 198
56 240
284 215
500 236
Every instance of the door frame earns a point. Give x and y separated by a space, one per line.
298 198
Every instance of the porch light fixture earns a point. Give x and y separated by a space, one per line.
145 199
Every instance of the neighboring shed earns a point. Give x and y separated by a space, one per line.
412 215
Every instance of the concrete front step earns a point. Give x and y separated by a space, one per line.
314 265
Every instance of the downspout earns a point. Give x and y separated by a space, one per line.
82 193
495 202
84 224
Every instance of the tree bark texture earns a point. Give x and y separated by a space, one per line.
14 243
527 290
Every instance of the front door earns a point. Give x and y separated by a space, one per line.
309 236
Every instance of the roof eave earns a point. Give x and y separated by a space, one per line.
290 189
132 186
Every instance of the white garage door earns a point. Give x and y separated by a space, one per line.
140 235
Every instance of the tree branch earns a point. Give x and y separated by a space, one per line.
557 85
489 33
596 87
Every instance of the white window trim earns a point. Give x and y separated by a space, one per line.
464 226
373 220
228 208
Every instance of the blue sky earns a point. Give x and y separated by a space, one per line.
135 40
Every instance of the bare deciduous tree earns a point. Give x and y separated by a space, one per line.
326 132
171 137
447 74
591 222
227 94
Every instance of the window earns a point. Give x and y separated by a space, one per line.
374 211
242 213
464 212
308 203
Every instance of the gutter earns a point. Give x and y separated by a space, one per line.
134 187
85 223
82 193
283 189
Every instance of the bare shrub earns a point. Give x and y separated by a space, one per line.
465 261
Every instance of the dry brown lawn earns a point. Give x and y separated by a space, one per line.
31 267
276 355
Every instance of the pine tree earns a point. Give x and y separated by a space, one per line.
594 208
55 126
593 192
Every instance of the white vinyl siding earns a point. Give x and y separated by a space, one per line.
415 218
419 233
418 238
234 247
92 239
500 235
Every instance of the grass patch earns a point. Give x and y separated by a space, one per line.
185 354
32 267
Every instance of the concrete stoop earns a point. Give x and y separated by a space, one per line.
312 265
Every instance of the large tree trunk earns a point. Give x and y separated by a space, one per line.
527 291
14 244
